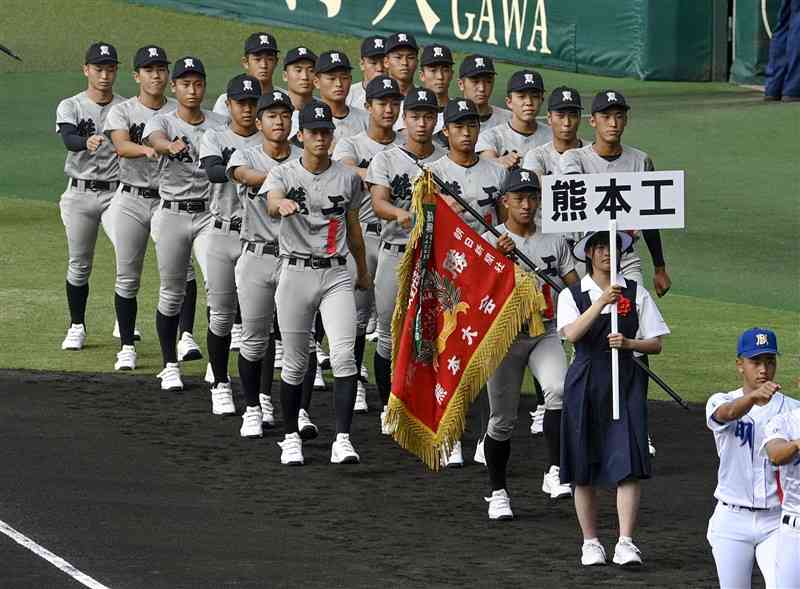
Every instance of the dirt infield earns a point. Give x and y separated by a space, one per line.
142 489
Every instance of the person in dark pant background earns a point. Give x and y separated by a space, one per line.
783 68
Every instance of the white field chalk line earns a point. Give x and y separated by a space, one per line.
56 561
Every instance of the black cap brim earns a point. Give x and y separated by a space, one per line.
333 68
563 107
460 117
243 96
624 107
318 125
153 61
102 61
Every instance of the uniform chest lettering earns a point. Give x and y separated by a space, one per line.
744 433
551 269
491 196
298 195
135 133
227 152
335 208
86 128
401 188
185 155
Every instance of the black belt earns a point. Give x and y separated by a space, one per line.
194 205
787 519
234 224
143 192
314 262
92 185
374 228
746 508
399 247
270 247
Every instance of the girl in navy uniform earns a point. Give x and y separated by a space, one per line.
597 451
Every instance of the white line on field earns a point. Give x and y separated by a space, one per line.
53 559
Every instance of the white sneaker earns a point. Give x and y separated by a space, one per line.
499 505
126 359
480 457
342 451
386 429
236 337
323 359
222 399
626 553
308 431
278 354
209 377
319 381
537 421
76 336
592 553
171 377
650 447
551 484
251 423
456 459
372 337
365 372
361 398
291 450
137 335
267 410
372 324
188 348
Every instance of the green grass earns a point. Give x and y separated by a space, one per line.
734 266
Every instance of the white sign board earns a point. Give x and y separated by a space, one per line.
635 200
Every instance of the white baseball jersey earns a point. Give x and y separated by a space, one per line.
786 426
480 184
504 139
395 170
356 121
319 228
746 477
90 118
585 160
544 160
223 143
132 116
357 96
180 177
257 225
498 117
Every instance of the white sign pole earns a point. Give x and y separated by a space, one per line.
612 240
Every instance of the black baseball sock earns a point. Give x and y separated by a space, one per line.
308 381
496 454
167 329
250 377
188 307
290 405
238 319
268 368
361 343
552 436
126 310
383 376
218 350
344 397
539 393
76 300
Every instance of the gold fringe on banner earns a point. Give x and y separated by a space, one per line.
526 303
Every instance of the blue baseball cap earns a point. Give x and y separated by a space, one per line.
756 341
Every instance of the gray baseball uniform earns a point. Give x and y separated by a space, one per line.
498 117
183 214
313 244
356 121
84 206
357 96
221 246
258 267
504 139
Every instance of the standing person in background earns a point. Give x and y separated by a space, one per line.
259 60
476 77
783 68
373 49
298 73
332 78
436 73
400 63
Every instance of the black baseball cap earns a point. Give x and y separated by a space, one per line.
316 115
436 55
420 98
400 40
564 98
382 87
148 55
329 61
244 87
476 65
260 43
273 99
606 99
458 109
374 46
299 54
188 65
101 52
525 81
522 180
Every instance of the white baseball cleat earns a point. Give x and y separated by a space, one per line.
137 335
537 421
372 337
171 377
386 429
499 505
372 324
456 459
342 451
75 338
626 553
308 431
251 423
236 337
267 410
361 398
291 450
364 372
188 348
126 358
551 484
278 354
319 381
222 399
323 359
480 456
650 447
592 553
209 377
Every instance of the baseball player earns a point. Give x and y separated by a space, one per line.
542 355
92 169
383 100
389 179
782 445
373 49
221 246
183 215
608 154
476 81
564 117
317 201
298 73
747 517
436 73
259 264
508 143
400 63
333 77
259 61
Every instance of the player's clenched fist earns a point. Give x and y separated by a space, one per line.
404 219
287 207
149 152
94 142
765 392
176 147
505 244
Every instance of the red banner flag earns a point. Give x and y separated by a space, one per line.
460 304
